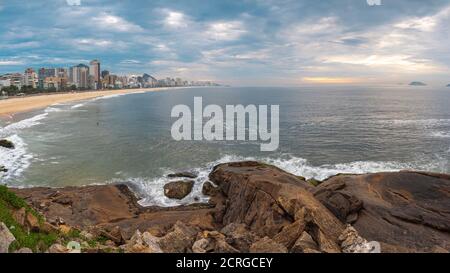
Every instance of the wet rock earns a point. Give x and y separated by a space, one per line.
182 175
267 245
6 238
178 189
6 144
209 189
3 169
314 182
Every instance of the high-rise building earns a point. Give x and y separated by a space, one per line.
30 78
79 76
95 74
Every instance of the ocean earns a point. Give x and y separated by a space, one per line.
323 131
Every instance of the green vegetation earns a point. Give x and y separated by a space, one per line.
36 241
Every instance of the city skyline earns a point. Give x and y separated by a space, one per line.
238 43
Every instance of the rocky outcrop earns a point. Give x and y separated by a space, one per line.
6 144
178 189
182 175
6 238
275 204
259 208
405 211
3 169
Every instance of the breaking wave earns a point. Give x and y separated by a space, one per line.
151 191
14 160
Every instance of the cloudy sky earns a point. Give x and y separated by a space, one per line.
245 42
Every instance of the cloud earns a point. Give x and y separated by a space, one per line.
10 62
225 30
111 22
175 19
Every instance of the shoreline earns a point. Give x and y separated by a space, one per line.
18 105
281 223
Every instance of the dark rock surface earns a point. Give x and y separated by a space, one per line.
6 144
178 189
405 211
260 208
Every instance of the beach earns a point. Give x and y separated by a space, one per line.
15 105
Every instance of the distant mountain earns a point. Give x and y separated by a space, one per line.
418 84
448 85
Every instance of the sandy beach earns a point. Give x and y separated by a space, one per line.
15 105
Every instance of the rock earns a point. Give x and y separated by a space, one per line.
64 229
3 169
268 200
6 238
314 182
202 246
142 243
215 243
267 245
115 235
305 244
182 175
24 251
239 237
19 216
86 235
6 144
351 242
209 189
396 207
290 234
344 206
32 222
179 189
151 242
179 239
57 248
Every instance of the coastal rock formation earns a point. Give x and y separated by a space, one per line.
405 211
259 208
182 175
275 204
178 189
6 238
6 144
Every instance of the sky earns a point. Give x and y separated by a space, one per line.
245 42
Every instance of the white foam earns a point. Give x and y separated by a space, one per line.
52 110
76 106
16 160
152 193
13 128
417 122
440 134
